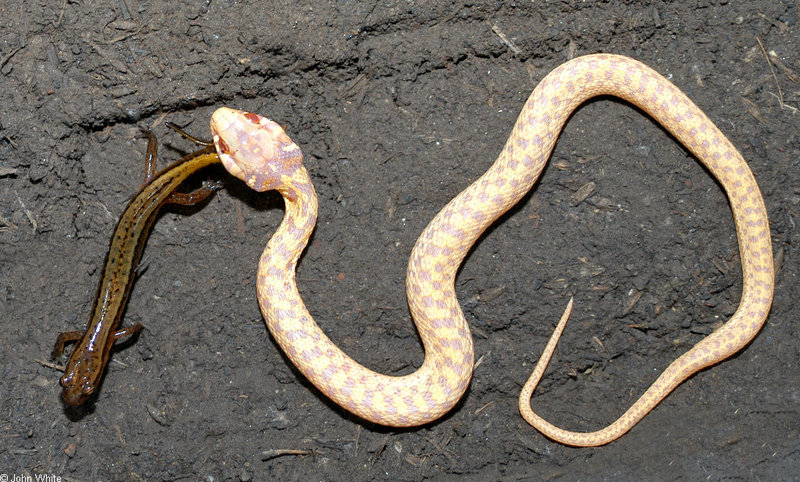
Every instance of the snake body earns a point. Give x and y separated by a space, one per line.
258 151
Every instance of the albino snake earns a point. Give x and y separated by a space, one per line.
259 152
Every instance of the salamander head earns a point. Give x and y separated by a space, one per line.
79 381
254 149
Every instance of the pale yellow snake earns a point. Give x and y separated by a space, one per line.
259 152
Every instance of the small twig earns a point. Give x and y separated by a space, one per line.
122 37
159 120
6 224
444 451
126 13
479 410
8 139
9 55
380 450
60 15
480 360
775 77
509 43
24 452
28 214
271 454
793 109
448 18
54 366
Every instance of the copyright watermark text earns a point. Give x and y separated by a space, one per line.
29 478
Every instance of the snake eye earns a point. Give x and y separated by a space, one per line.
254 118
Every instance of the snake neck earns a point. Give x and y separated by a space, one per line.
287 244
404 400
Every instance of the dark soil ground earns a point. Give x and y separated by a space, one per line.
398 108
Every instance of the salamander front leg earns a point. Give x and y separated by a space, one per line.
128 331
150 158
183 133
73 336
62 340
196 196
151 161
126 334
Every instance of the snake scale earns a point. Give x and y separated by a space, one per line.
258 151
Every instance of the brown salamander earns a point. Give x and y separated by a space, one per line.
87 363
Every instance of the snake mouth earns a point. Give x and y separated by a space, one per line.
228 160
226 123
254 148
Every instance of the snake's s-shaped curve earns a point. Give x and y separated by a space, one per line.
259 152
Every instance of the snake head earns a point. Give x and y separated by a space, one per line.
254 149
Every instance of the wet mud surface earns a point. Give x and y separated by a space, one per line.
397 107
